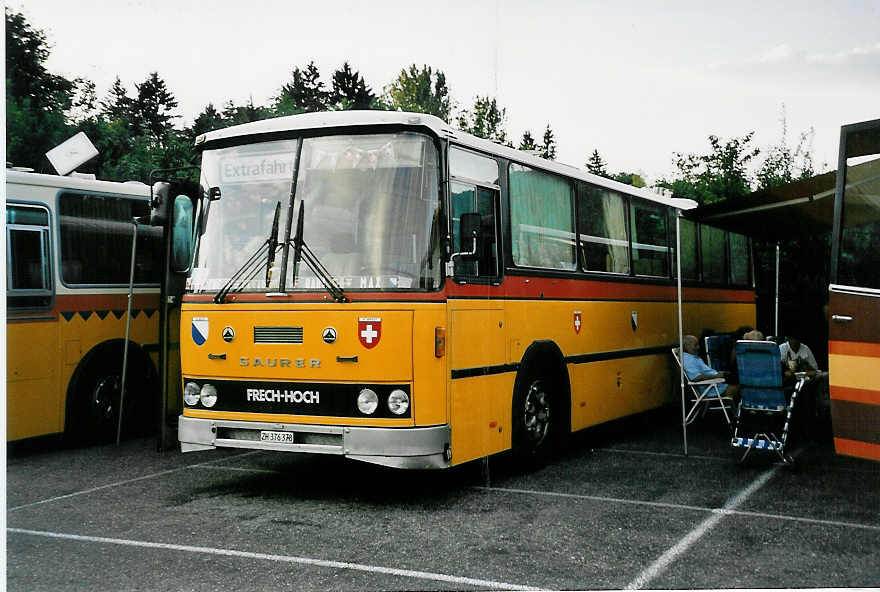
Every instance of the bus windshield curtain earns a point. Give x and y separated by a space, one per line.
614 209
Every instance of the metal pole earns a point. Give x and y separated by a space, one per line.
776 309
127 330
680 327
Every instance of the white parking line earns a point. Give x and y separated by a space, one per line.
406 573
664 561
126 482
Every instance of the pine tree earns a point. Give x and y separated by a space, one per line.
153 108
548 150
485 120
305 93
596 165
349 91
527 142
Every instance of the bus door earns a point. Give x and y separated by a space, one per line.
480 396
32 372
854 300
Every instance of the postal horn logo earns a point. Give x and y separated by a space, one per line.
369 331
200 330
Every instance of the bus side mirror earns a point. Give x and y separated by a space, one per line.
181 234
160 194
471 242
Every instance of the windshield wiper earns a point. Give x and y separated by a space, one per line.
301 251
264 254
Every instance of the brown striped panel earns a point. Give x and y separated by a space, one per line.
865 311
856 421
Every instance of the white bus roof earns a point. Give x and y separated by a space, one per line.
345 119
77 183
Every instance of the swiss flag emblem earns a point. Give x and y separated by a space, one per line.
578 323
369 331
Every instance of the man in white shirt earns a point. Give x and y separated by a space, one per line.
797 357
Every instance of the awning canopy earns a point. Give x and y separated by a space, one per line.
802 208
805 207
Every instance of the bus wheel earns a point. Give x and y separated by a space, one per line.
95 416
534 421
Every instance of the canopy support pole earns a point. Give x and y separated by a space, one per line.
680 327
127 330
776 307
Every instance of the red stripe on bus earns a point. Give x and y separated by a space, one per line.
516 287
854 348
77 302
857 448
856 395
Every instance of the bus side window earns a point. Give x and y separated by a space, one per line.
28 277
468 198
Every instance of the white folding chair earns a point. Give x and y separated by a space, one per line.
704 395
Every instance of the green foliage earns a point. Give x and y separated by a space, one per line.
548 149
485 120
420 91
527 142
305 93
633 179
721 174
596 165
783 164
349 91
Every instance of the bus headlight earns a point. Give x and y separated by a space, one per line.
368 401
191 393
208 395
398 402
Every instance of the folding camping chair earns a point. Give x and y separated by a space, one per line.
718 349
765 407
704 395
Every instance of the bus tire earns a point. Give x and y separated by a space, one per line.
93 413
539 419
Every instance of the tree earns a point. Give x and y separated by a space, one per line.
236 114
37 101
528 142
596 165
153 108
420 91
782 164
349 91
485 120
633 179
118 105
721 174
305 93
548 150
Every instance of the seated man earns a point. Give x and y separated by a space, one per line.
697 370
797 357
753 335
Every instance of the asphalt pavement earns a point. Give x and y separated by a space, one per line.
621 507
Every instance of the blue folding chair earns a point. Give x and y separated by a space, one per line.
718 349
763 416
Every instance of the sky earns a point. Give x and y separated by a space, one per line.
637 80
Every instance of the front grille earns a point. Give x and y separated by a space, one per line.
278 334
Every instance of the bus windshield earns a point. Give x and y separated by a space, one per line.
371 212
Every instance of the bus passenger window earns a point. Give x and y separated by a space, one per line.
27 247
602 227
541 219
739 260
713 255
648 229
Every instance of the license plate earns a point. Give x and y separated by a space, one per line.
285 437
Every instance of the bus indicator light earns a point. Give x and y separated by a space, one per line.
439 342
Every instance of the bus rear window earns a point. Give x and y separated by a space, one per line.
96 233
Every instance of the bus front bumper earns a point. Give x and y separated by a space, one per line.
404 448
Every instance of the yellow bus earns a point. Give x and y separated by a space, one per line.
854 302
382 286
68 250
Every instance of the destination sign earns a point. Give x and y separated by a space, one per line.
257 168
